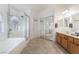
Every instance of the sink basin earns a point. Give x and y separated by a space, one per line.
75 34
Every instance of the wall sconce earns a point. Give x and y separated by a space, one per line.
56 25
66 11
22 16
70 25
41 20
35 20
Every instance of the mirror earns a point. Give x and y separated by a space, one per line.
66 21
75 22
60 23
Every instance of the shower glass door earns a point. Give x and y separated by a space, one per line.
48 27
18 23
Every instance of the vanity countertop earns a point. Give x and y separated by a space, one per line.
69 34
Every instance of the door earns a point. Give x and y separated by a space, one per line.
49 28
71 44
59 37
76 46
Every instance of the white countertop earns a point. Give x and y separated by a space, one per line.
69 34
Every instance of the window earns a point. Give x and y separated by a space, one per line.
1 24
14 23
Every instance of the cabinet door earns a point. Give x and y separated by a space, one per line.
76 46
70 45
58 38
74 49
73 45
64 41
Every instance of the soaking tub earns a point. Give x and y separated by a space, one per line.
10 44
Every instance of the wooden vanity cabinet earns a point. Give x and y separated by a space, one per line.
69 43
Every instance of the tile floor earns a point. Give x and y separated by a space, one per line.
43 46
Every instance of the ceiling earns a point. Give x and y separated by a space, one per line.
39 8
33 7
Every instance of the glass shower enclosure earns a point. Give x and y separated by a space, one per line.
18 23
47 27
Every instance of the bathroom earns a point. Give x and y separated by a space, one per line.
22 25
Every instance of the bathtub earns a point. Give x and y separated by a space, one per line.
11 43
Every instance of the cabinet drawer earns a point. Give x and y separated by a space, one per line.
65 37
76 41
75 50
70 39
71 47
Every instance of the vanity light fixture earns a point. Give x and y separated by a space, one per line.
66 11
56 25
35 20
22 16
70 25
